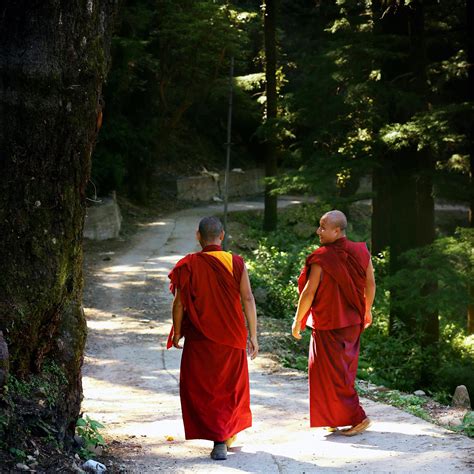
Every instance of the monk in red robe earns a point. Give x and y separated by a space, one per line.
337 289
209 289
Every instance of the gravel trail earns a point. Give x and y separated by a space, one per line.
131 384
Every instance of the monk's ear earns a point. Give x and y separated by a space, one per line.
198 236
221 235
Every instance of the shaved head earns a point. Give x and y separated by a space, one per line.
332 227
336 219
210 228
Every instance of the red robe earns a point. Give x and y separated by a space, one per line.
337 318
214 380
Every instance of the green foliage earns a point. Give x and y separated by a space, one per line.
384 360
251 82
448 266
166 96
47 385
3 422
401 362
398 362
468 424
88 430
18 453
435 129
355 96
297 356
410 403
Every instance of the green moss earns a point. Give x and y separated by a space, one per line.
97 60
49 385
63 272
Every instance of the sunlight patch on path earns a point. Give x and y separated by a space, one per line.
131 385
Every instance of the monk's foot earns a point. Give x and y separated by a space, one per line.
219 453
229 442
357 429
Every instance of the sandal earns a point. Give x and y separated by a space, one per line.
357 429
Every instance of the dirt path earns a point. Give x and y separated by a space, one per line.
131 385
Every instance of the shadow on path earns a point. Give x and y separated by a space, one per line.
131 385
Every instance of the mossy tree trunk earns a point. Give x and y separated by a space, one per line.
53 61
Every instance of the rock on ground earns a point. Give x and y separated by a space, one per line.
461 398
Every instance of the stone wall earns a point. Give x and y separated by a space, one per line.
211 185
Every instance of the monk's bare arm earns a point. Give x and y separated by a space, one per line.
306 299
248 302
369 294
178 312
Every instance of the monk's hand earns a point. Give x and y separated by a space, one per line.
296 329
176 338
367 319
253 347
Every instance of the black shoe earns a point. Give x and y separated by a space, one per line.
219 453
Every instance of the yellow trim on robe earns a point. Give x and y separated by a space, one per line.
225 258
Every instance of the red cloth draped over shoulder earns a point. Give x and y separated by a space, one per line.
340 298
211 298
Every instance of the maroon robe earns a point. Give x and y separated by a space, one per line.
337 319
214 380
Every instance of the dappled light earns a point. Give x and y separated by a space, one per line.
153 224
131 385
123 269
320 154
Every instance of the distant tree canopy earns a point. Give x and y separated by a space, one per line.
360 89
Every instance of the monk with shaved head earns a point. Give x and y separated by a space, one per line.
337 289
210 287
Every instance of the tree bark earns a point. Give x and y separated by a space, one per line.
270 146
53 61
404 181
425 216
381 181
470 79
384 23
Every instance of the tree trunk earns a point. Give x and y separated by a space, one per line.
403 215
412 204
384 23
381 179
53 61
404 181
425 217
470 78
270 147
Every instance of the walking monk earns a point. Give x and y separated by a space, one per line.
209 290
337 289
